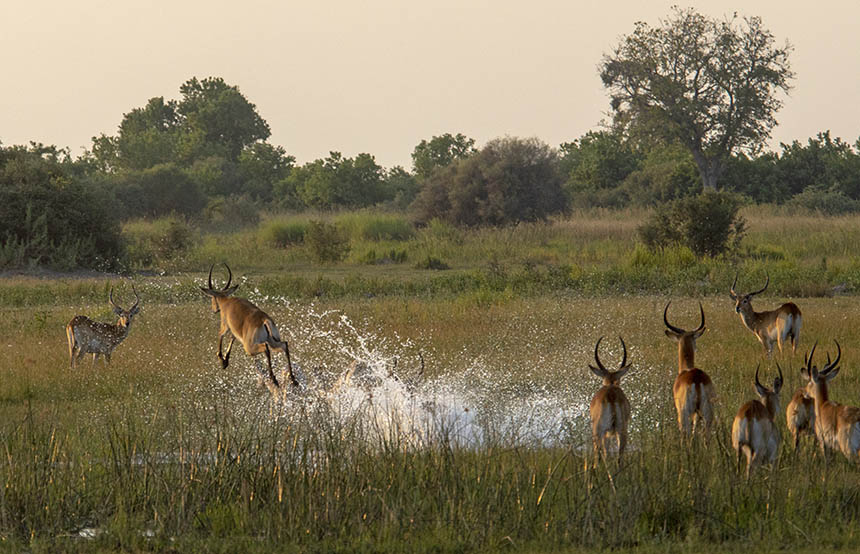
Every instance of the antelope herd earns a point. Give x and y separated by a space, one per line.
755 433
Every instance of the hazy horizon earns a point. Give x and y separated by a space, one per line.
381 76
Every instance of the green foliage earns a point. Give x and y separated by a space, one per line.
158 242
431 263
279 233
823 201
508 181
326 242
335 182
666 173
440 151
159 191
392 256
595 166
231 212
260 166
50 216
376 226
401 187
672 81
708 224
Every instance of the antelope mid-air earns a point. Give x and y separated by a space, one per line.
86 336
836 425
754 431
693 390
248 323
610 410
774 326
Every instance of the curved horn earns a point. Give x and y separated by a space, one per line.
732 289
211 267
114 304
229 277
829 367
702 326
136 296
809 361
623 353
766 283
669 325
757 382
596 356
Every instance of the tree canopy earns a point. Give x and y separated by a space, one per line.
711 84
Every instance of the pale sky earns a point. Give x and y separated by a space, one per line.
378 76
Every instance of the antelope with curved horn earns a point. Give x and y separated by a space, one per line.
693 390
754 431
836 425
255 330
610 410
774 326
86 336
800 412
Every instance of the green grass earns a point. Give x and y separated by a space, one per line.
164 450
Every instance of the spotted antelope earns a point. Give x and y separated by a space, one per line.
86 336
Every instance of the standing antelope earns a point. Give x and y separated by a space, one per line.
251 325
777 325
610 410
836 425
754 431
800 412
86 336
693 390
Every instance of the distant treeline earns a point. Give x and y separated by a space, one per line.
206 157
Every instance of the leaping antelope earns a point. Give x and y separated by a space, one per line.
836 425
693 390
86 336
754 431
610 410
800 412
777 325
248 323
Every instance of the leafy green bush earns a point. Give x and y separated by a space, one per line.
283 233
158 241
823 201
50 216
326 241
232 211
708 224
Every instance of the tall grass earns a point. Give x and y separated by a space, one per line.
165 450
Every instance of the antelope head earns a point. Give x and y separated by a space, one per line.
828 372
743 301
610 378
125 316
769 397
217 294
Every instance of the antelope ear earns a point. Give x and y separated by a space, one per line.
761 390
700 333
207 292
134 310
117 310
622 371
832 373
671 334
231 290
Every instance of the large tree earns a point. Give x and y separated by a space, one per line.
712 84
440 151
